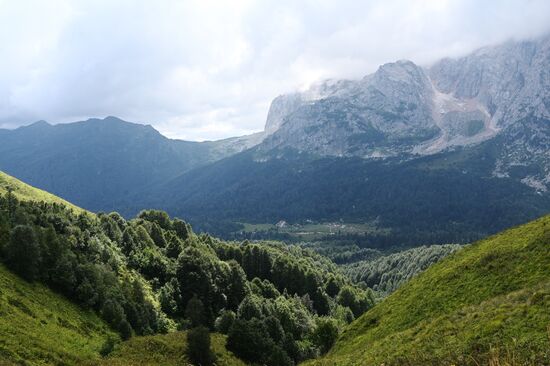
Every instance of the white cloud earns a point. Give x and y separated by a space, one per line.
208 69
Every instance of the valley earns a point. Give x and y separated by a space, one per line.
400 218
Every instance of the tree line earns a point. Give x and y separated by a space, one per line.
152 274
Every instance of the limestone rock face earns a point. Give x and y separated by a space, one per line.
406 110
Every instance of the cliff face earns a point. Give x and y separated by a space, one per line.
406 110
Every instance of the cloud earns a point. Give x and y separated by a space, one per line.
209 69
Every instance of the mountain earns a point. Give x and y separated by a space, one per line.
405 109
446 197
447 149
485 304
446 153
96 162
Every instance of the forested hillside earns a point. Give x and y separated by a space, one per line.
153 274
387 273
485 304
451 197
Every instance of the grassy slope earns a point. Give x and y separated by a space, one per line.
41 327
25 192
487 302
37 325
166 350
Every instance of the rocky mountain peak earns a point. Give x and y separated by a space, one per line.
406 110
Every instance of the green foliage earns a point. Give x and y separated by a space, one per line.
125 329
249 340
198 346
23 252
164 349
40 327
194 311
325 334
79 256
386 273
225 321
152 274
484 304
450 197
357 301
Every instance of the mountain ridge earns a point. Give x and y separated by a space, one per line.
467 117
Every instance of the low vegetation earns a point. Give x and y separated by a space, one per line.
38 326
153 275
164 349
485 304
150 291
25 192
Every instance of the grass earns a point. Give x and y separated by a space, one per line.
167 350
39 327
313 231
25 192
487 304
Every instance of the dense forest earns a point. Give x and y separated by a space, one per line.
450 197
385 274
278 304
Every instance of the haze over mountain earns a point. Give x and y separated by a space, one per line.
96 161
462 145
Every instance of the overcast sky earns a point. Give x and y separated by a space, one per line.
209 69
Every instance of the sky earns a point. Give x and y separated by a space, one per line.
205 70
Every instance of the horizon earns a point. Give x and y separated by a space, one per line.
317 82
207 71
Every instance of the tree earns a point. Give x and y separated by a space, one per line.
198 347
23 252
332 286
170 297
250 307
321 302
112 312
157 216
158 236
128 242
278 357
274 328
225 321
12 203
325 334
125 329
174 246
194 311
357 300
237 287
181 228
249 340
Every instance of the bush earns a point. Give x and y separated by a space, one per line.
125 329
107 347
